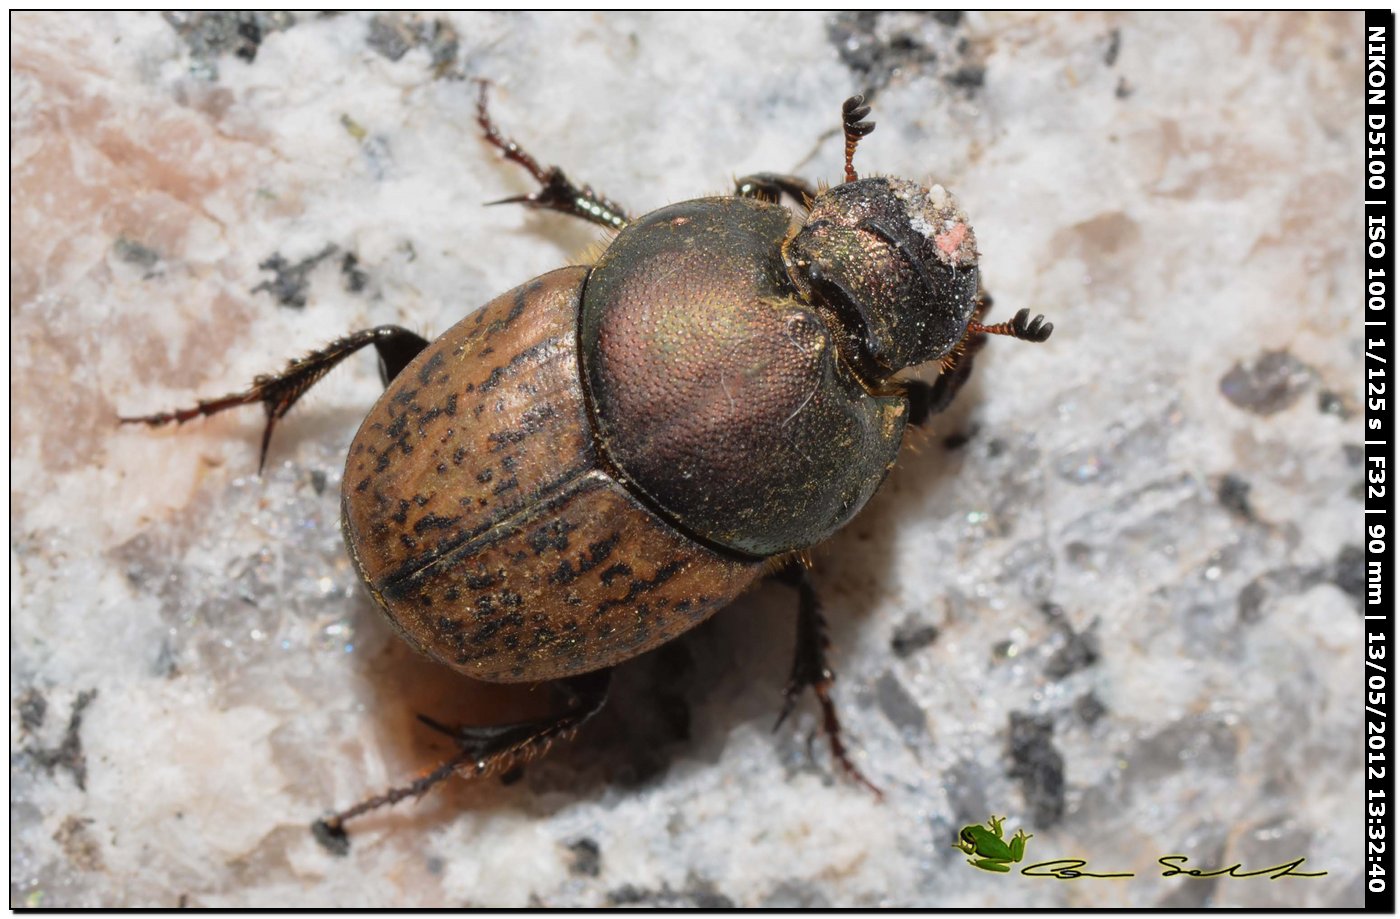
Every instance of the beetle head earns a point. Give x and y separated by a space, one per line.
897 261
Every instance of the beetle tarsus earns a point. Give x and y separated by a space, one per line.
483 750
831 726
556 192
810 670
277 393
330 831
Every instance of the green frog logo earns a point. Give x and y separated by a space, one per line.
988 847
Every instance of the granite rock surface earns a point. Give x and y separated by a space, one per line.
1113 594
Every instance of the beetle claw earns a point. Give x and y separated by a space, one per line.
790 695
331 835
438 726
526 200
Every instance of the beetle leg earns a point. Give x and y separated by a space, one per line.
556 192
809 669
771 186
279 392
489 750
928 399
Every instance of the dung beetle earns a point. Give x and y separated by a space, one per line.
600 459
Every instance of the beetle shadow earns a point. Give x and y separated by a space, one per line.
649 721
680 702
856 564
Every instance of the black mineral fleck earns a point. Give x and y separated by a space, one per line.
211 34
1038 765
32 708
698 894
1268 384
289 286
134 253
68 755
1233 495
392 36
586 859
898 706
1080 650
1333 403
970 77
1349 573
1115 43
1288 580
1089 708
876 46
395 34
913 636
355 276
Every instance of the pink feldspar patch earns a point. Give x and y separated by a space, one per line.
949 241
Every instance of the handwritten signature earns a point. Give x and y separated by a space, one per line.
1069 869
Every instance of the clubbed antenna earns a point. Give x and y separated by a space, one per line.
852 112
1021 326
